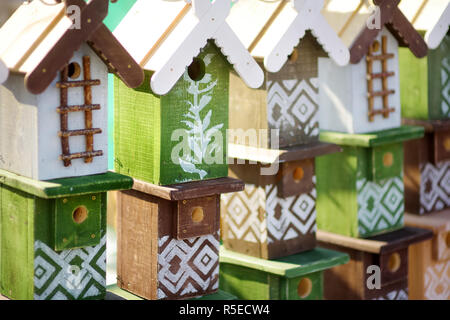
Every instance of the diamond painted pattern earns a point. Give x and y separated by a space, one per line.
292 107
437 281
380 205
188 267
445 81
434 187
69 274
401 294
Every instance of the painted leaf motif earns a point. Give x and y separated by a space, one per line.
204 101
207 120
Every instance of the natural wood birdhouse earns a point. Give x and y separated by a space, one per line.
427 163
275 216
53 236
168 238
429 261
360 192
378 267
53 107
364 96
288 37
425 83
296 277
173 128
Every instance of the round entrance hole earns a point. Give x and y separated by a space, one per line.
74 70
80 214
298 174
394 262
388 159
447 144
198 214
304 288
197 69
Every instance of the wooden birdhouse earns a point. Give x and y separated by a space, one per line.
172 129
427 162
287 37
53 107
275 216
360 192
168 238
378 267
297 277
425 83
53 236
429 261
364 96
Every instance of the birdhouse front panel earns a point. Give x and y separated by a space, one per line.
263 222
161 253
365 96
429 263
63 131
52 249
296 277
358 194
180 136
426 167
425 83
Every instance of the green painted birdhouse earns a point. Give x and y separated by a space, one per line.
425 83
360 192
53 236
173 128
296 277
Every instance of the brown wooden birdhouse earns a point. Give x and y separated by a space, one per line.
378 267
168 238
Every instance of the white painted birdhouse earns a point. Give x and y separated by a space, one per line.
53 106
364 96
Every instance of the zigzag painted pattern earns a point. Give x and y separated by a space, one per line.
445 81
292 107
401 294
188 267
437 281
258 215
69 274
380 204
288 218
434 187
242 214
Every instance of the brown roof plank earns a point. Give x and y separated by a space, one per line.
43 74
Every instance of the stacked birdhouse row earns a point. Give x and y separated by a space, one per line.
53 147
274 139
170 136
425 95
361 190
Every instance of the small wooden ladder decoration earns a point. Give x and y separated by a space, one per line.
87 107
384 75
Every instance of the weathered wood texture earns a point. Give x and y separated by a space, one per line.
426 164
154 134
429 261
275 216
288 101
50 249
424 83
297 277
349 281
169 248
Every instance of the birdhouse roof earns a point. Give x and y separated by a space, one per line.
3 72
174 32
39 40
432 17
352 20
271 30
